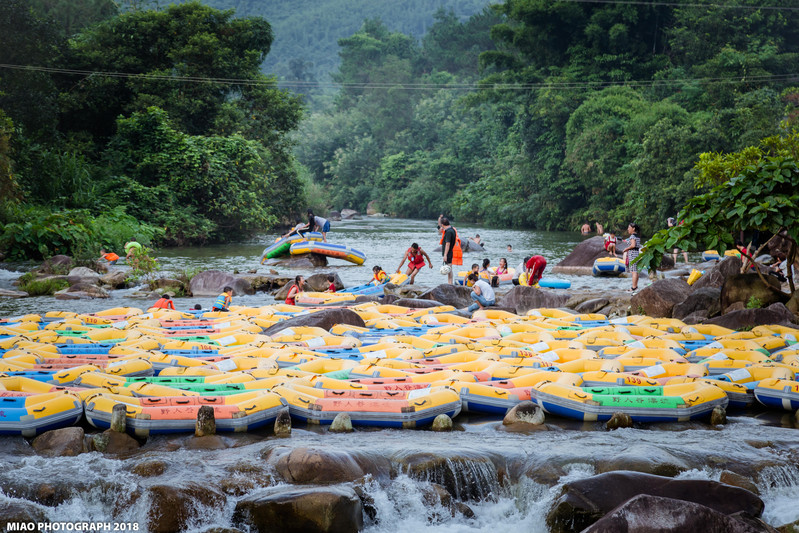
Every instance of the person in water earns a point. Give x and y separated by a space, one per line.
316 223
164 303
331 279
482 293
297 288
222 302
585 229
477 239
510 248
111 257
415 256
380 277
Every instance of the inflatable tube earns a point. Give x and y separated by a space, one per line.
31 415
554 283
338 251
608 266
710 255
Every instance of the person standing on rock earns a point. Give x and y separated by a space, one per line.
222 303
296 289
415 256
632 252
450 248
316 223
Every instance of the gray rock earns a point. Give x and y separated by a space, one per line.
454 295
619 420
283 424
83 275
325 319
211 283
317 466
746 318
64 442
334 216
6 293
336 509
298 262
371 208
718 416
114 443
522 299
21 512
592 306
442 423
658 299
697 317
319 283
58 264
647 514
737 480
743 287
524 413
173 506
415 303
341 424
715 275
706 299
347 214
115 279
585 253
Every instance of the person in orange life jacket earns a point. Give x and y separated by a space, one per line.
222 302
535 269
450 247
332 280
380 277
415 256
111 257
164 303
299 285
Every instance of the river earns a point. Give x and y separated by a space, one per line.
760 444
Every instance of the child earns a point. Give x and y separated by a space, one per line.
299 285
380 277
610 243
632 252
476 270
164 303
111 257
503 266
222 302
332 280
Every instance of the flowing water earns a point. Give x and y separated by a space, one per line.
534 466
383 240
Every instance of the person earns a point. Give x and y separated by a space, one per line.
486 265
222 302
298 229
671 222
477 239
111 257
585 229
482 293
380 277
316 223
439 226
332 281
600 229
746 256
164 303
535 269
475 269
610 243
510 248
632 251
198 307
503 266
299 285
450 247
520 269
131 249
415 256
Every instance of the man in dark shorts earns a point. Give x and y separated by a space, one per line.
448 245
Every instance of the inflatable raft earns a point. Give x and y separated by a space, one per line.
28 415
283 245
370 288
779 393
608 266
338 251
669 403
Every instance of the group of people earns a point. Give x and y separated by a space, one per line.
132 250
315 223
630 252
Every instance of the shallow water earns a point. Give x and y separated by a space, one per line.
383 240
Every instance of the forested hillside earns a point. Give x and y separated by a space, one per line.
545 114
306 31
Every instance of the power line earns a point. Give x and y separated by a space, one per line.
679 4
475 86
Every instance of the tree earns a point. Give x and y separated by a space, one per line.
760 194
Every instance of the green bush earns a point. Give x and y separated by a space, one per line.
43 287
754 303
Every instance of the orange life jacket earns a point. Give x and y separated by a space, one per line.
163 303
457 251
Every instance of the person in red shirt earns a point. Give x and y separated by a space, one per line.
299 285
164 303
415 256
332 280
535 269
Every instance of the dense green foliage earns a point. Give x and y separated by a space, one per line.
165 130
585 111
758 190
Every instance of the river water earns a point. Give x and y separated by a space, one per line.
383 240
760 444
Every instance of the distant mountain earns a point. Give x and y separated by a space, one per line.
307 31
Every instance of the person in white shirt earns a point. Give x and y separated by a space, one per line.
482 293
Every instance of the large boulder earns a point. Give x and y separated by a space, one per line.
522 299
746 318
325 319
585 253
173 506
416 303
58 264
7 293
746 287
211 283
297 262
646 514
705 299
83 275
585 501
592 306
334 216
347 214
82 291
319 283
308 466
454 295
115 280
659 299
714 276
468 245
335 509
60 442
371 208
114 443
